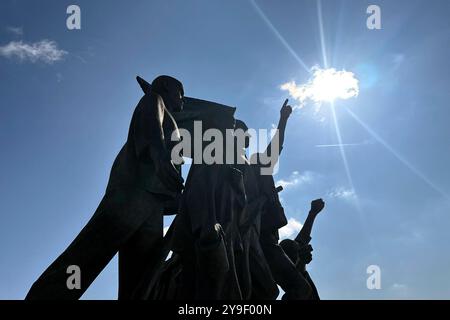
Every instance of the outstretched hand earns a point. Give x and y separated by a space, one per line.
317 206
286 110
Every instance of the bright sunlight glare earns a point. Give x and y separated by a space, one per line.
324 85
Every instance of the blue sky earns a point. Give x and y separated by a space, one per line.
64 118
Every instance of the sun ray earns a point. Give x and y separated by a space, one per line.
322 35
333 111
340 143
398 155
357 204
341 147
279 36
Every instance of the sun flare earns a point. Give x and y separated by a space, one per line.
325 85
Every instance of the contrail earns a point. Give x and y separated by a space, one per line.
279 36
341 145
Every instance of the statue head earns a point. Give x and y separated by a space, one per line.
171 91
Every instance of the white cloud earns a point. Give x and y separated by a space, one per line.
296 179
325 85
46 51
342 193
400 291
399 286
15 30
291 229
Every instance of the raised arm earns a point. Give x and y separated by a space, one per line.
148 131
150 140
285 113
277 141
304 237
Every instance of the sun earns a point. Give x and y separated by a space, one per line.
327 85
324 85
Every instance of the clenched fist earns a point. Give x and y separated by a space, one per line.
317 206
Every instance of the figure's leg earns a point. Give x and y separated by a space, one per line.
139 255
113 223
264 286
283 270
242 261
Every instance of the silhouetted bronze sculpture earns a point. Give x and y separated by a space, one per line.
220 245
129 219
299 250
204 237
224 238
215 239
